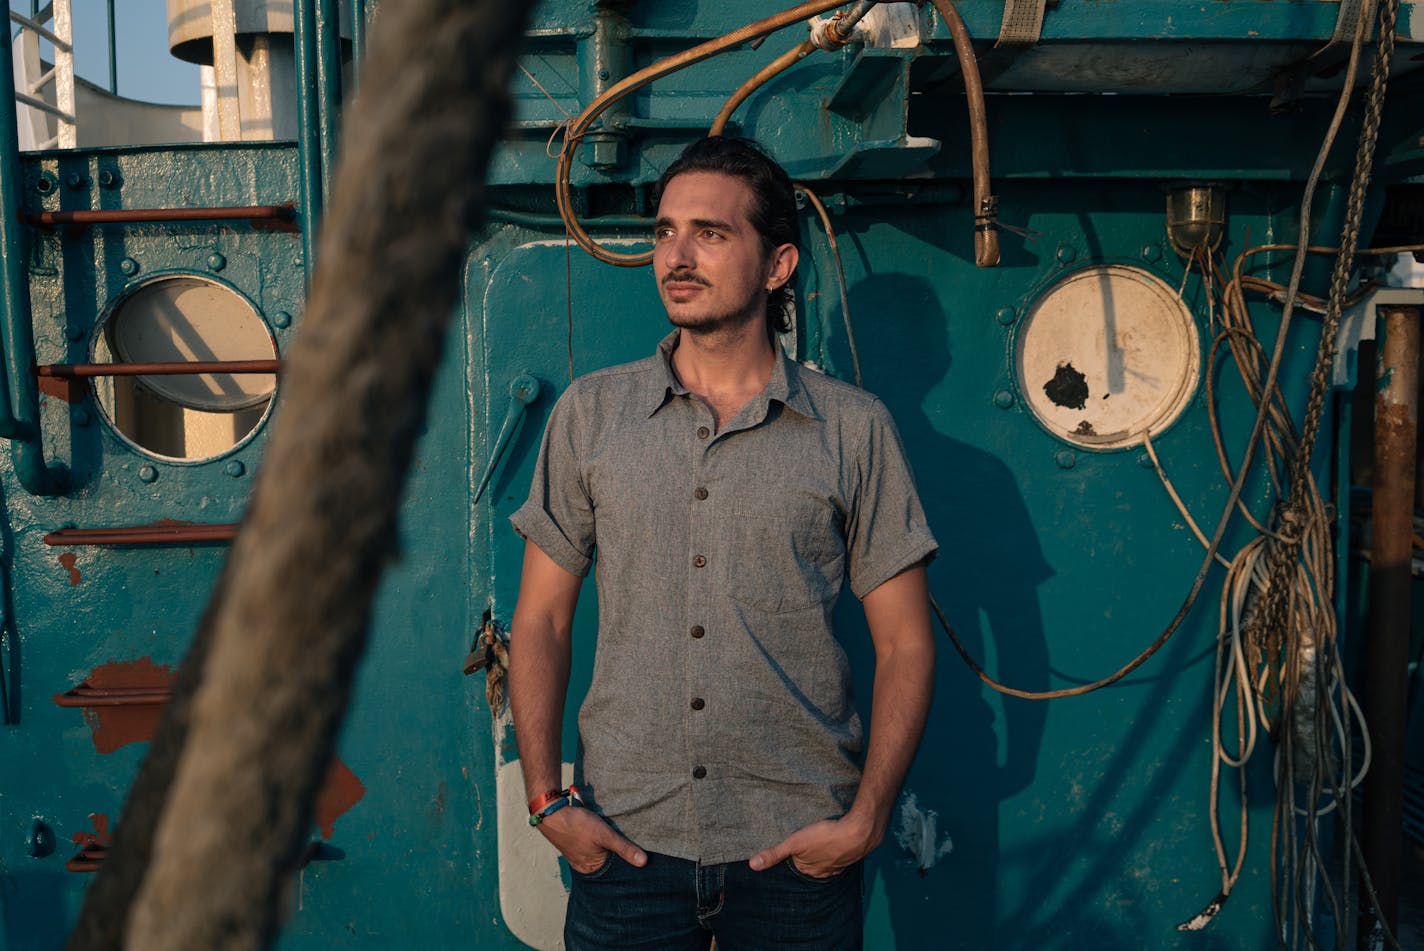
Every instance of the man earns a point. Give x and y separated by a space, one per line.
728 493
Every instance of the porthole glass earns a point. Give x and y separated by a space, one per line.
1106 354
184 320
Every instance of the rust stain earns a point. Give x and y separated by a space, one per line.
68 560
114 727
69 390
340 791
100 835
1085 428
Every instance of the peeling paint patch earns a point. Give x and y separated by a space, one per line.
919 835
68 560
71 391
115 726
1068 388
1085 428
339 792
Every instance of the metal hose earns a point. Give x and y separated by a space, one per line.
986 235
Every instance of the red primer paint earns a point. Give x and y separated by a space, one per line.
71 391
339 792
117 726
100 835
68 561
114 727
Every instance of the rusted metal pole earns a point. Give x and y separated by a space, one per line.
109 216
1387 653
73 371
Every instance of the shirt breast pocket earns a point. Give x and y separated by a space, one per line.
785 560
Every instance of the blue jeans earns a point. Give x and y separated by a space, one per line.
680 905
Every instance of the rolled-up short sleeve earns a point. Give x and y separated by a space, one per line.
558 515
886 530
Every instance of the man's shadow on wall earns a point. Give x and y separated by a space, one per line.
985 577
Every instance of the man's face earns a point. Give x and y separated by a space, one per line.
712 268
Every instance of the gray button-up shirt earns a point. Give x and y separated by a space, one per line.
719 719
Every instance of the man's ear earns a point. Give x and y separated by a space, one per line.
783 265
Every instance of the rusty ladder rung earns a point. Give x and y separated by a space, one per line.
142 535
73 371
283 215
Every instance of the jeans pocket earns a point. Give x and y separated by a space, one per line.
596 873
790 863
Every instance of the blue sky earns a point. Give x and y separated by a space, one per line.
146 69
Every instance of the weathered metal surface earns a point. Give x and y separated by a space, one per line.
1079 823
1386 653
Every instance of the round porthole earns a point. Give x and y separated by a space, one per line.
176 320
1106 354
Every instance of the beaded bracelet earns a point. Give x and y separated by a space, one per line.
564 797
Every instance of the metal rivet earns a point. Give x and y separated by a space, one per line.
79 416
1003 399
129 266
74 180
74 332
1150 252
108 179
235 468
282 319
603 74
1065 458
1005 315
147 474
216 262
1145 461
1066 253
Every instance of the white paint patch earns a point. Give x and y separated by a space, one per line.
532 897
919 834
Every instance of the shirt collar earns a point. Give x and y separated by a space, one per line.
784 387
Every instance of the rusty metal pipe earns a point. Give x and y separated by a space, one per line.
142 535
986 237
282 213
783 62
72 371
1387 652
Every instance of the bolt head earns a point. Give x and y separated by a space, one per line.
216 262
1145 461
606 153
1066 253
235 468
1003 399
147 474
1006 315
108 179
129 267
79 416
282 319
74 332
1151 252
74 180
1065 458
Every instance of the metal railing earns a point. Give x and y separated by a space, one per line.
53 24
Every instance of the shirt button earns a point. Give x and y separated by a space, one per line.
701 493
699 561
698 703
699 772
703 432
697 630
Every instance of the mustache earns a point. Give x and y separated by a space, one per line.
685 277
